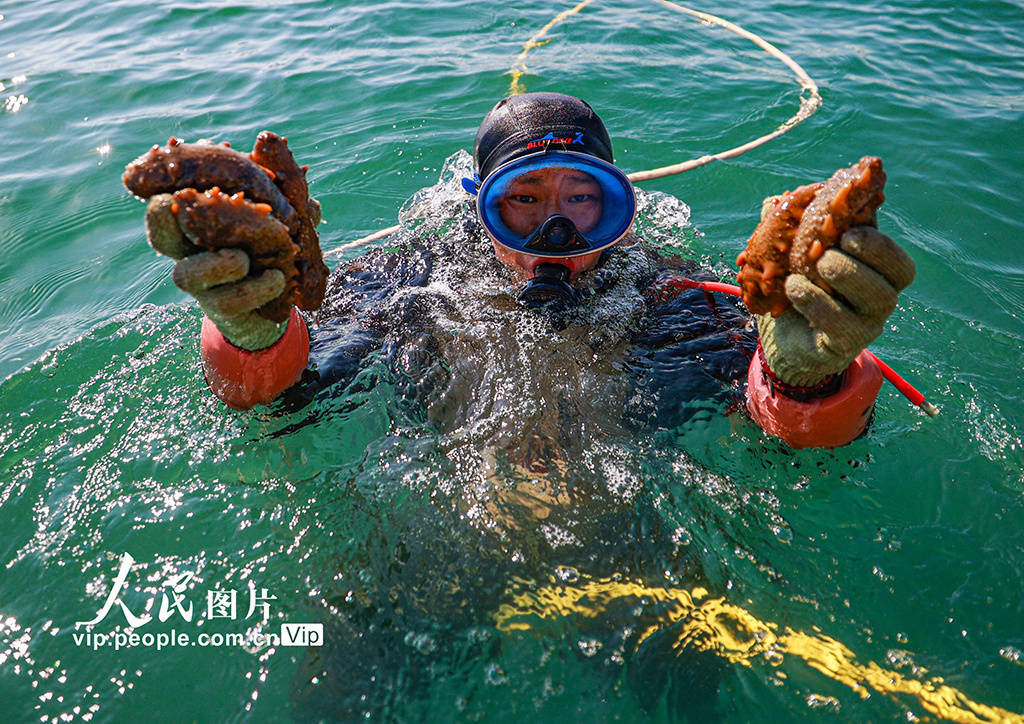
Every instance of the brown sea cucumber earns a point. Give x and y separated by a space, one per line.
799 226
179 165
215 220
225 198
271 152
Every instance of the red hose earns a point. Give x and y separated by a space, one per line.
908 390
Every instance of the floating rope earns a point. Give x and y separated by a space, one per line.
519 66
810 102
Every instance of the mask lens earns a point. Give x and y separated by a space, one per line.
518 201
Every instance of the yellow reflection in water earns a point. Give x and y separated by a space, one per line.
713 624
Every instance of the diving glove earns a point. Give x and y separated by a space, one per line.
218 280
822 333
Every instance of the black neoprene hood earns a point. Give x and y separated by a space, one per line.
530 122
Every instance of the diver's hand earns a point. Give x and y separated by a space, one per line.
824 331
218 280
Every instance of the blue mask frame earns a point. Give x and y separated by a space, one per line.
619 200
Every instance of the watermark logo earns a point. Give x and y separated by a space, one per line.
302 634
220 604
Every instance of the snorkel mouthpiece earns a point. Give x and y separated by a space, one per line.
557 234
550 283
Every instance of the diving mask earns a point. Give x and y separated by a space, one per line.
593 204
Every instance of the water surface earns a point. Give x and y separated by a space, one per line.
905 547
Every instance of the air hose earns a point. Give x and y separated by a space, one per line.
908 390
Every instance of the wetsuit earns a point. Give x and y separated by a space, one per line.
639 353
691 348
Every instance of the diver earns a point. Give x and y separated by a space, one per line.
520 331
554 207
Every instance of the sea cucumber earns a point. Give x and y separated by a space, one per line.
271 153
224 199
215 220
179 165
799 227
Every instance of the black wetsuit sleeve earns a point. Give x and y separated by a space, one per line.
352 323
691 355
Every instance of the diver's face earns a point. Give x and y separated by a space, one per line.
534 196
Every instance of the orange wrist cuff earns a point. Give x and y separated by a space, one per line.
242 378
827 422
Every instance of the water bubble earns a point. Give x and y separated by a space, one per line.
783 533
773 656
495 676
816 701
682 536
589 647
423 643
1011 654
567 574
15 103
899 658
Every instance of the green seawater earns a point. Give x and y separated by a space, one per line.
903 551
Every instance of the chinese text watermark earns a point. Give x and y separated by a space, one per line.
220 604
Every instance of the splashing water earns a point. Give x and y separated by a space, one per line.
483 444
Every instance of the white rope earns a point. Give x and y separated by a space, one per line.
809 103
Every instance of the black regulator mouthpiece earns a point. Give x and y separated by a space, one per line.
550 283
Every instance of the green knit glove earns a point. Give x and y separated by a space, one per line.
218 280
823 332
